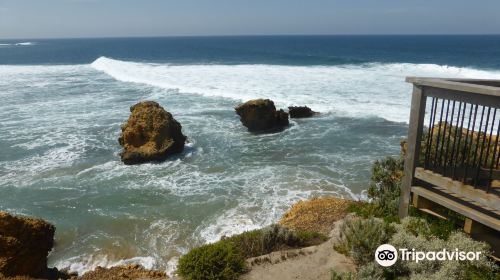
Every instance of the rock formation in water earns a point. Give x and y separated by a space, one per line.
300 112
150 134
261 115
24 246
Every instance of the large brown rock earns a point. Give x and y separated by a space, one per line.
24 246
300 112
150 134
261 115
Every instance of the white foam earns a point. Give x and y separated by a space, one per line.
172 266
25 44
84 264
351 90
19 44
230 223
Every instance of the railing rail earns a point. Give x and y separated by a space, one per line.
453 132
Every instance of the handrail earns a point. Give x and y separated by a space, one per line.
462 137
466 85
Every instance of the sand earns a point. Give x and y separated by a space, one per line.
310 263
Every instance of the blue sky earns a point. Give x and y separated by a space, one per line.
111 18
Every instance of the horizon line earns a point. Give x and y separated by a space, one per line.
247 35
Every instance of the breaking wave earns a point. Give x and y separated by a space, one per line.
18 44
357 90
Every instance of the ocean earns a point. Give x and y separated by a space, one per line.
63 102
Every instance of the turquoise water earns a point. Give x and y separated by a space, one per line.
63 103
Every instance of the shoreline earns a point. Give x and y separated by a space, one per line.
132 265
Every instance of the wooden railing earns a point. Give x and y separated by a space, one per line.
453 149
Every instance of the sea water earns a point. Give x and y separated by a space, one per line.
63 101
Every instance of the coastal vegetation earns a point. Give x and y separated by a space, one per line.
377 223
225 258
359 238
317 214
415 233
221 260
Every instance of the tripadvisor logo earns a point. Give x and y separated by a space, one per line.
386 255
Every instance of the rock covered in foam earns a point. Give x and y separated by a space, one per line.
150 134
24 246
261 115
300 112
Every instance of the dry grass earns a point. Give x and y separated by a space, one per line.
123 273
317 214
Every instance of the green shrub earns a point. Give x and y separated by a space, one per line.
272 238
308 238
417 227
438 227
359 238
341 276
416 233
225 258
385 187
365 209
249 243
275 236
407 237
384 190
213 261
371 271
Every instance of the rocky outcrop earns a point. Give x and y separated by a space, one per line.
300 112
317 214
150 134
24 246
261 115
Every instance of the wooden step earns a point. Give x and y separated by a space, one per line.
460 190
473 202
468 212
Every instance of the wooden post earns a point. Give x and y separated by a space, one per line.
415 128
481 232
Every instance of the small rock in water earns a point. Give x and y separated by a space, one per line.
300 112
150 134
261 115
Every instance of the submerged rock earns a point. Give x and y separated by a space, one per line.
261 115
300 112
150 134
24 246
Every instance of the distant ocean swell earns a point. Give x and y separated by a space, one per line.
356 90
18 44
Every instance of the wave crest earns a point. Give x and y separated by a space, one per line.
356 90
